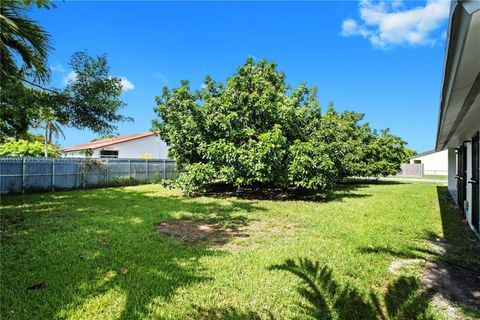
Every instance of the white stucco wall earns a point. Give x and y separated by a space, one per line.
434 163
132 149
135 148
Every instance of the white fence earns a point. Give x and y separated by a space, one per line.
27 175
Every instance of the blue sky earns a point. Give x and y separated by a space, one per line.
381 59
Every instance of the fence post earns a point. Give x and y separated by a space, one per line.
147 168
83 163
106 173
164 170
53 174
23 175
135 173
129 168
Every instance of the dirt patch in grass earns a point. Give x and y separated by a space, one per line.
196 231
397 265
453 283
217 235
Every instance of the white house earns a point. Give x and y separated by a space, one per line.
435 163
140 145
459 118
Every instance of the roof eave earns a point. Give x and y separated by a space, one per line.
455 44
69 149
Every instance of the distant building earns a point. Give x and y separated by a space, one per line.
434 163
140 145
459 119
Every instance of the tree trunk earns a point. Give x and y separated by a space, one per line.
50 136
46 140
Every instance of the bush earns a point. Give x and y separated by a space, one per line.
124 181
257 131
24 148
196 178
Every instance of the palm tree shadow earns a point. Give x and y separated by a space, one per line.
325 298
109 248
225 313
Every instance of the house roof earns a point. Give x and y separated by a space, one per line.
423 154
107 142
426 153
461 79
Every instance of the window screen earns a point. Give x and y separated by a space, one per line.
108 153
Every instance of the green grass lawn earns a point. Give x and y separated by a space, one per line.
427 176
103 258
436 177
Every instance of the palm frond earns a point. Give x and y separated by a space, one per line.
22 36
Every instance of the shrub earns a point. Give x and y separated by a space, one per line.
24 148
196 177
124 181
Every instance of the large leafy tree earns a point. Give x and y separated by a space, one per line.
91 101
257 130
93 97
19 109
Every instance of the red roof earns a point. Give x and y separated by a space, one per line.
107 142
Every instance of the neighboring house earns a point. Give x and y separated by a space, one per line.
459 119
435 163
140 145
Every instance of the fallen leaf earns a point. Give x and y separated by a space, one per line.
124 270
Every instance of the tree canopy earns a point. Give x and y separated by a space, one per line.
90 101
255 130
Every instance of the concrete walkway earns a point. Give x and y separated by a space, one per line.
415 180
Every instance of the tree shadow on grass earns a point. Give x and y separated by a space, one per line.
341 191
226 313
87 244
464 244
455 275
325 298
410 253
452 259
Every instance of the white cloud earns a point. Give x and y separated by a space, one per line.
387 24
350 27
58 68
70 77
126 84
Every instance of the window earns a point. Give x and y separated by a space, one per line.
417 161
108 153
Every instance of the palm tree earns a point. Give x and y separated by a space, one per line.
49 122
23 37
